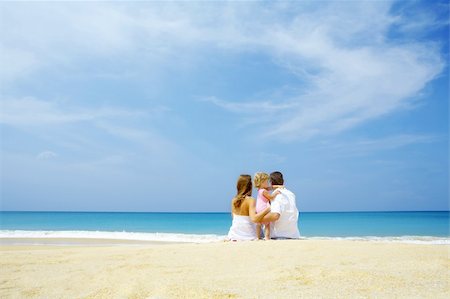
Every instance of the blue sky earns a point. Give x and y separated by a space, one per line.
151 106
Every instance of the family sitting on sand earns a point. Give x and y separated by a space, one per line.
276 212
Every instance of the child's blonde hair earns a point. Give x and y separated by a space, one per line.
259 178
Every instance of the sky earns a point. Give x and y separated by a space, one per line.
160 106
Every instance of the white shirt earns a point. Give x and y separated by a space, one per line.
287 225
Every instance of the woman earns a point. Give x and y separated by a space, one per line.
243 211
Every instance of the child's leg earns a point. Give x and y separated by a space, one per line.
267 231
258 231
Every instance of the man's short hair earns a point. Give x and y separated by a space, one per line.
276 178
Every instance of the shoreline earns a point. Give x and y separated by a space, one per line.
76 242
141 238
284 269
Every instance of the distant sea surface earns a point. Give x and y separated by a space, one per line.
416 227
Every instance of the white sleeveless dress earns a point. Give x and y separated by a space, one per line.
242 229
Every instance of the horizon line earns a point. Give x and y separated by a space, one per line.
217 212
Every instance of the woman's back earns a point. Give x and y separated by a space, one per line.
243 208
242 228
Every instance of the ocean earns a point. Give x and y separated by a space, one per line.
416 227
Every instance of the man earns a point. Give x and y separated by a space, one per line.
283 211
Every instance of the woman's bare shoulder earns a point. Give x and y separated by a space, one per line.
249 199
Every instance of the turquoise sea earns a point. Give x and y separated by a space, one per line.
425 226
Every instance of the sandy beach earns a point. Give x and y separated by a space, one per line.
273 269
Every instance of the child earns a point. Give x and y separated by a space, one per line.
261 181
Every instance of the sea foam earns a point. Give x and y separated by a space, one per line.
135 236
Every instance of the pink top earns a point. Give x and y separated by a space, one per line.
261 201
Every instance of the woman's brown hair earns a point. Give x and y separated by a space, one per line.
244 188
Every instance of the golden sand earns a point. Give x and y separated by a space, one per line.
263 269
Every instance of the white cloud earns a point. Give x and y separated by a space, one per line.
52 122
16 63
351 71
271 158
30 111
148 138
250 107
46 155
367 146
358 85
425 20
